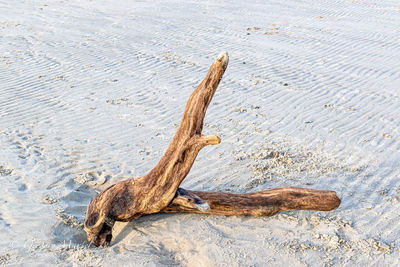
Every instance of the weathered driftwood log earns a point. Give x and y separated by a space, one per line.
261 203
158 190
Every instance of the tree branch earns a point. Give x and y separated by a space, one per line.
262 203
158 190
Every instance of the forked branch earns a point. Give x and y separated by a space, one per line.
158 191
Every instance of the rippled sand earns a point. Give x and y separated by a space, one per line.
91 93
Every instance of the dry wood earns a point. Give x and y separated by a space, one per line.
261 203
158 190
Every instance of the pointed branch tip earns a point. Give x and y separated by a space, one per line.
209 140
223 58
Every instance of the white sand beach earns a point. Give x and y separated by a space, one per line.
91 93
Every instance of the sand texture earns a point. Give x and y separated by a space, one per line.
91 93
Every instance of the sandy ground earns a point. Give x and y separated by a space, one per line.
91 93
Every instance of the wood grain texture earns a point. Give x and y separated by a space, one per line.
158 190
261 203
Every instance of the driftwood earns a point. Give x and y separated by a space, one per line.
158 191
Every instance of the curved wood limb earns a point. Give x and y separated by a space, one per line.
153 192
158 190
261 203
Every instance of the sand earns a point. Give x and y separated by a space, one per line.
91 93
